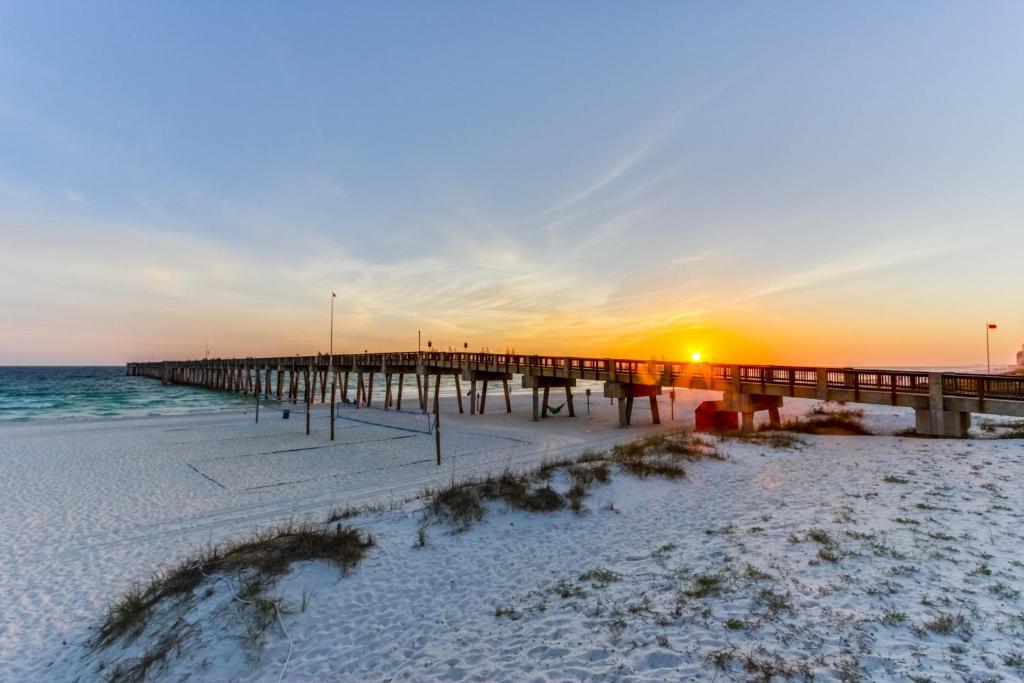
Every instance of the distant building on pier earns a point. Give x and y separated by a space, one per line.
1020 356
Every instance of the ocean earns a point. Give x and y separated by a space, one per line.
48 393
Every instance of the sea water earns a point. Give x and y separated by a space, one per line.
48 393
75 393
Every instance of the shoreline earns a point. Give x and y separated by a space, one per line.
50 421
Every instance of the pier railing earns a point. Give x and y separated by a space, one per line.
983 386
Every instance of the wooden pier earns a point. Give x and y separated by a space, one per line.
943 402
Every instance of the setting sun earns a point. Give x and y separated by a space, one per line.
695 356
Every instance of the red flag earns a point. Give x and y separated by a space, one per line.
991 326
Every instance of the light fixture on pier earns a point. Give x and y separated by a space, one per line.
331 343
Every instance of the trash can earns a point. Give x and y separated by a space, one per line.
285 414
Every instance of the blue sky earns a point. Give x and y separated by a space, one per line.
778 182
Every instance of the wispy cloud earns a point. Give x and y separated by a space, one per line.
877 258
692 258
616 171
74 196
38 126
653 139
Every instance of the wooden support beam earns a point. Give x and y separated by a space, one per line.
568 402
333 383
655 414
458 392
309 404
369 391
401 383
437 420
387 390
508 396
544 407
472 397
483 397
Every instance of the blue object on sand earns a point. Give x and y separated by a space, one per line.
285 414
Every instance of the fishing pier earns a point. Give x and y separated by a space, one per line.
943 402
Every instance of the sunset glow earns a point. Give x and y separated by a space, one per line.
567 206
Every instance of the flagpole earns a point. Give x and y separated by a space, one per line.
988 353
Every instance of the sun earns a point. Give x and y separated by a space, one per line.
695 356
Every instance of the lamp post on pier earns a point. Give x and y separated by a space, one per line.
331 346
330 363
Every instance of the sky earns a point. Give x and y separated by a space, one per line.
759 182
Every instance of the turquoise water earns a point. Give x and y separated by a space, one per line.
76 393
48 393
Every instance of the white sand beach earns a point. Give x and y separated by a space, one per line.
917 533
